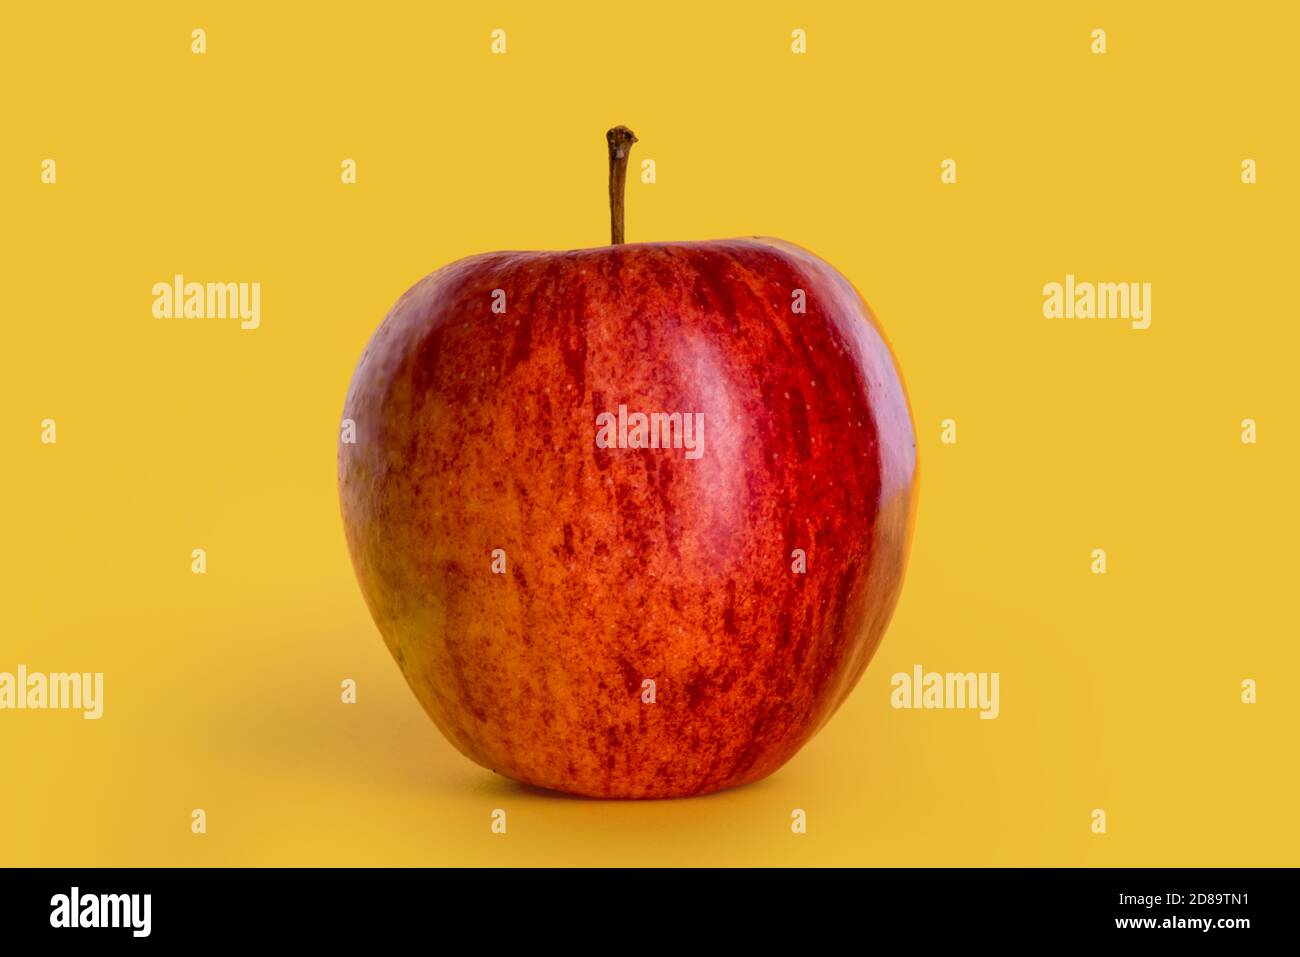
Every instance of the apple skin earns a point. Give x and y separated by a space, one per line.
475 431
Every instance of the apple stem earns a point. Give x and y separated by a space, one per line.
620 145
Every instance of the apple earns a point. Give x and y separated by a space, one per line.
633 519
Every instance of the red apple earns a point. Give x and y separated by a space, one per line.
598 604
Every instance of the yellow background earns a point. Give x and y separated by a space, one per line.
1119 692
